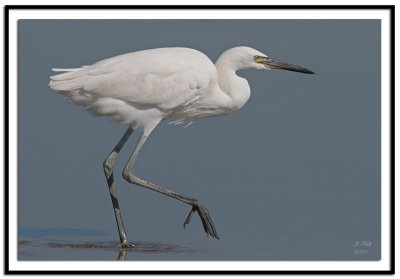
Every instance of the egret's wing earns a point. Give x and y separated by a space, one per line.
161 78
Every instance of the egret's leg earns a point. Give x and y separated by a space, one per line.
108 171
196 205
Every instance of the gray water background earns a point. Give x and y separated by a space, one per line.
293 175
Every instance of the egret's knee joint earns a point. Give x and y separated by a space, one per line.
131 177
108 165
127 175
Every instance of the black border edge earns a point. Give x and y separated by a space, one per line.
391 9
198 7
392 139
6 141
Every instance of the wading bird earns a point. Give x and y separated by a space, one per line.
143 88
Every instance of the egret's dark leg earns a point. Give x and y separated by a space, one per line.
196 205
108 171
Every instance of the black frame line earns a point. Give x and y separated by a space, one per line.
390 8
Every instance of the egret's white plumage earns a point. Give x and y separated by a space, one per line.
166 83
143 88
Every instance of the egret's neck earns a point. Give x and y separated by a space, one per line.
235 87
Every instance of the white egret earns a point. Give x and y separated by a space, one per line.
143 88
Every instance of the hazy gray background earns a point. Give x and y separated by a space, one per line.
293 175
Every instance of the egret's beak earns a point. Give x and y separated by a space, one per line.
270 63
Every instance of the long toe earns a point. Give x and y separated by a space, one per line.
189 218
208 224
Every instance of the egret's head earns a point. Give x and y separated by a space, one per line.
241 57
249 58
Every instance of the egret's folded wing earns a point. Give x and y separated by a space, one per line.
164 79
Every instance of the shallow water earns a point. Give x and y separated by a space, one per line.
37 250
53 244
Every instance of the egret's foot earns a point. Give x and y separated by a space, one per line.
125 245
208 224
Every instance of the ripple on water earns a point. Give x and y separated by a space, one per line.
140 246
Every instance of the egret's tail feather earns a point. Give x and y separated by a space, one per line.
65 69
72 79
67 84
69 73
